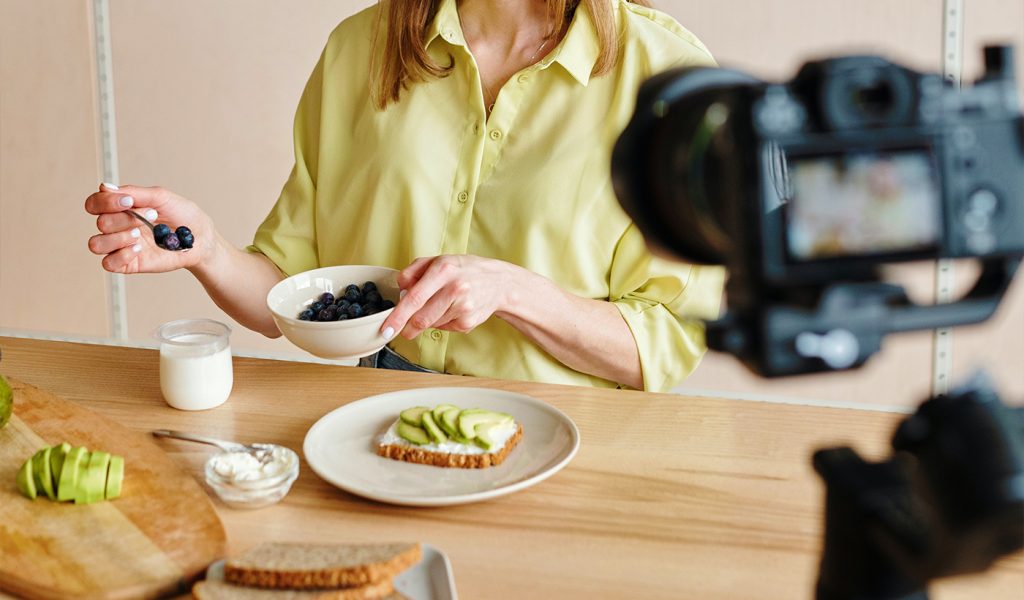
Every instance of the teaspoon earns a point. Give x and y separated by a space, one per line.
152 229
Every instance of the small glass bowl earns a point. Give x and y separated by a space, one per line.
256 492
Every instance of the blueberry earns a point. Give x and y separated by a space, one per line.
306 315
373 297
160 232
343 316
327 298
343 304
351 286
386 305
187 241
369 286
317 306
371 309
171 242
355 311
183 231
352 293
327 314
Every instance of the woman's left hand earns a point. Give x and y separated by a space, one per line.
450 292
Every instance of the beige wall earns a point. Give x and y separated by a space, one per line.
205 93
48 163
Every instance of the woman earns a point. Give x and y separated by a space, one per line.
467 143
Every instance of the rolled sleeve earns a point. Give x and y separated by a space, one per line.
665 305
288 234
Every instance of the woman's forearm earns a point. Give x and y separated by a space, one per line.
584 334
238 282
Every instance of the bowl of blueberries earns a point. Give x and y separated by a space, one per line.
335 312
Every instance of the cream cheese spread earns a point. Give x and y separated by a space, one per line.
502 436
243 467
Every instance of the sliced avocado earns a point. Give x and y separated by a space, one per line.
469 419
67 489
433 430
26 482
81 493
487 435
440 410
6 402
497 416
449 422
57 455
416 435
115 475
413 416
41 471
458 439
94 484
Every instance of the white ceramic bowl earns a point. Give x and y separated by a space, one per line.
338 340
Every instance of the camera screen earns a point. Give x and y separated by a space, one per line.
864 203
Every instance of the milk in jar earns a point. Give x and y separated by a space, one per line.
195 363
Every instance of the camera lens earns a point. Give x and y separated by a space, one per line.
668 167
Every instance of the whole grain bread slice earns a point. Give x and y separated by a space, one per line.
221 590
317 566
414 454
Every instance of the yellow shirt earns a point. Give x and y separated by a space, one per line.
530 185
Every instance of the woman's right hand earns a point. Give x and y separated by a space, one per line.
127 245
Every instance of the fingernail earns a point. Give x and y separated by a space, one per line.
388 333
402 293
136 233
126 201
110 186
150 215
137 248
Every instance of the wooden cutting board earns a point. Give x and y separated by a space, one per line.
152 541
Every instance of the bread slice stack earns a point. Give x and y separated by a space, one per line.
283 571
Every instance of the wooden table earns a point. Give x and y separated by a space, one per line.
669 496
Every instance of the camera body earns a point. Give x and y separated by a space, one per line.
920 170
805 189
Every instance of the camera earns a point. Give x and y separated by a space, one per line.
806 189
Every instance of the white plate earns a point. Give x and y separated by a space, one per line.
429 579
342 448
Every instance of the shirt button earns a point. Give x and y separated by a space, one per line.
522 78
448 35
463 196
435 335
495 134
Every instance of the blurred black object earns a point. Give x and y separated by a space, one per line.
949 501
805 189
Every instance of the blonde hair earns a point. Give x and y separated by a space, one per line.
403 59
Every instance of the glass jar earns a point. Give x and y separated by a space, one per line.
195 363
242 481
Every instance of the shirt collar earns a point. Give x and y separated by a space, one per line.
445 25
579 49
577 53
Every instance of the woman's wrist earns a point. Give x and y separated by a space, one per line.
523 288
210 256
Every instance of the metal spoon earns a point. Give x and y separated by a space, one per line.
151 228
261 452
